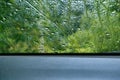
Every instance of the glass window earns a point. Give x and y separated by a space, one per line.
59 26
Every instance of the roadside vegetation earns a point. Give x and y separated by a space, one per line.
63 26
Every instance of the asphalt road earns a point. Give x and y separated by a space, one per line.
58 68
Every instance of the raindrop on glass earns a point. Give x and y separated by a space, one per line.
63 45
107 34
10 14
78 28
4 18
15 12
9 4
118 41
22 29
46 28
16 9
52 33
1 21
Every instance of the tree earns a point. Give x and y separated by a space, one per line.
19 31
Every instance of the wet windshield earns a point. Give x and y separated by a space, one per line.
48 26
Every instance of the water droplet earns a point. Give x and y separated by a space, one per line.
63 45
10 14
53 49
72 29
22 29
107 34
9 4
35 2
15 12
46 28
79 29
104 2
1 21
118 41
27 8
16 9
52 33
4 18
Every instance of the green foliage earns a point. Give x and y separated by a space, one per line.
80 42
59 26
18 29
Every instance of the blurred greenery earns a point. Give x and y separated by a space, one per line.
63 26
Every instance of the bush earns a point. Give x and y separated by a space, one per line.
59 26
